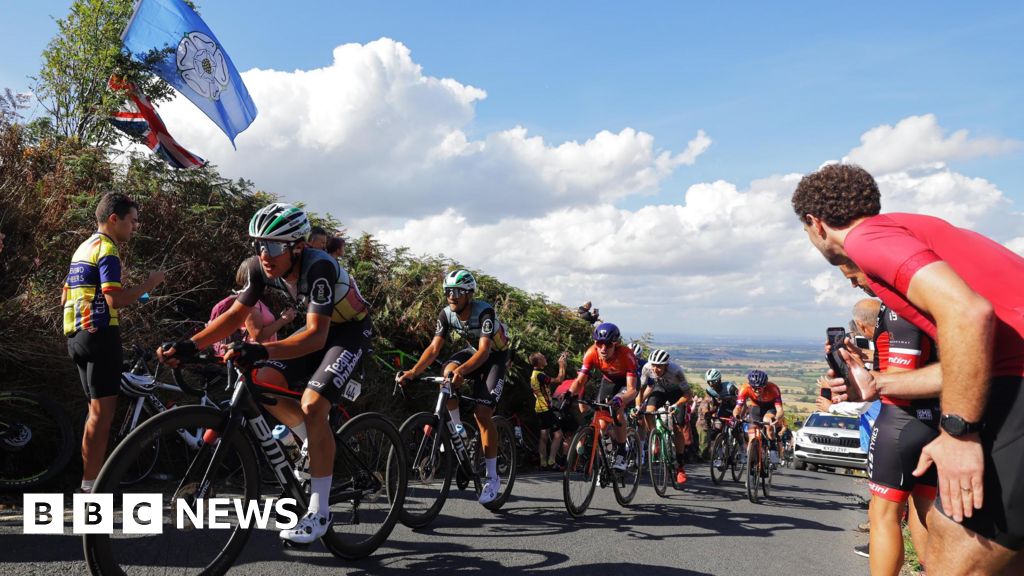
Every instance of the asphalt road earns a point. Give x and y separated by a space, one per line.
806 527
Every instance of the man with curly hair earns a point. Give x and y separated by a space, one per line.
963 290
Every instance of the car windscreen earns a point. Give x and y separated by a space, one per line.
830 421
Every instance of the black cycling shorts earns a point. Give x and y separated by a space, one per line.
328 370
99 358
610 388
899 434
1001 518
488 381
548 420
658 397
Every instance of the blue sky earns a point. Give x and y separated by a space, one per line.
778 87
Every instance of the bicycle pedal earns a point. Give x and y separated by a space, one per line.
296 545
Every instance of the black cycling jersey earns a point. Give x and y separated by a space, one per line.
483 321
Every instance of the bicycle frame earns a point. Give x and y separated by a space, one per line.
602 419
442 418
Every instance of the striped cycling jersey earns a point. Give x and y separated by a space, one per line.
95 270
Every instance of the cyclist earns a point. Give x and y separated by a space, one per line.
485 364
638 352
91 297
723 394
767 396
662 381
618 382
321 357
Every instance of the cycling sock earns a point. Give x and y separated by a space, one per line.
87 486
319 489
492 468
455 416
300 432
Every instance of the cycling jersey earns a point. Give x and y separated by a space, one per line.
483 321
891 248
674 380
768 399
623 362
539 383
323 288
95 270
899 344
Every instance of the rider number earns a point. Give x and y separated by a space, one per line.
352 390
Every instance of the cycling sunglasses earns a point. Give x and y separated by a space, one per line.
603 343
455 292
273 248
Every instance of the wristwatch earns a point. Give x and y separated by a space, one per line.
956 426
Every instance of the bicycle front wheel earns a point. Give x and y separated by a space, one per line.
507 461
753 471
766 473
367 487
657 463
736 450
719 459
36 440
627 481
185 463
580 478
428 458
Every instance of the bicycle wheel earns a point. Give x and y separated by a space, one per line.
719 459
736 450
580 478
367 488
766 472
148 456
657 463
177 478
753 471
430 471
36 440
627 481
506 465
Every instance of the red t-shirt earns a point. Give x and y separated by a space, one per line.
564 387
891 248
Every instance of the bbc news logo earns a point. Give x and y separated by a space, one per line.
144 513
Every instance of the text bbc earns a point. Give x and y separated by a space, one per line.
145 514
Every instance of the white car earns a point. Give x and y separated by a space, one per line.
829 440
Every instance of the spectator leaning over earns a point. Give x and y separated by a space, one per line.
91 298
963 290
336 247
586 313
317 238
260 325
541 384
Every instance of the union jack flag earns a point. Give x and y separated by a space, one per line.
139 120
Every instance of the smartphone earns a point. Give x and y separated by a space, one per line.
836 337
826 393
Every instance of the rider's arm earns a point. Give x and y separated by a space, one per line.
589 359
631 383
313 338
432 351
222 326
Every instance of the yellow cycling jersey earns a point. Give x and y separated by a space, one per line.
95 270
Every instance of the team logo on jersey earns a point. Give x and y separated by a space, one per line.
320 294
487 327
893 317
440 328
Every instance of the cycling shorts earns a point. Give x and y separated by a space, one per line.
657 399
99 358
548 420
329 369
610 388
767 408
899 434
1001 518
487 381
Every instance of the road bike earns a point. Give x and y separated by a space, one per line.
758 469
526 439
36 440
367 490
728 450
589 462
661 451
436 452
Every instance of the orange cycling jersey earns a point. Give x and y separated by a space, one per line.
621 363
770 394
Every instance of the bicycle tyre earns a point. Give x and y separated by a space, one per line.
657 464
753 472
507 461
368 485
148 458
38 457
107 555
735 450
766 480
580 478
430 480
627 482
719 453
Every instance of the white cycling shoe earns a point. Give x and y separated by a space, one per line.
490 492
620 463
310 527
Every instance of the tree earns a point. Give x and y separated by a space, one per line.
78 61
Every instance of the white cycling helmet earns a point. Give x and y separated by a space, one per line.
713 375
658 357
637 348
460 279
281 222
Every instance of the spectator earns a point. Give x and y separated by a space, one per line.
91 298
704 413
336 247
260 325
587 314
540 383
961 289
317 238
2 241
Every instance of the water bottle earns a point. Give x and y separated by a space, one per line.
283 434
519 434
144 298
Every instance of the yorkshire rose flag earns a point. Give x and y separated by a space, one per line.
196 64
138 119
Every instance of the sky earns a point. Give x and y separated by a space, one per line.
638 155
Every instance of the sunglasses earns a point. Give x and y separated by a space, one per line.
273 248
455 292
603 343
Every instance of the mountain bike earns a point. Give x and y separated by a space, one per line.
365 496
36 440
661 451
728 450
435 453
758 470
589 463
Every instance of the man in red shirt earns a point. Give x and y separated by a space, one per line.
962 290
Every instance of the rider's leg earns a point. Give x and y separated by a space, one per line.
542 447
556 447
315 409
886 536
95 437
453 400
286 411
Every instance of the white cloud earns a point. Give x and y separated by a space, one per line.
373 135
918 141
